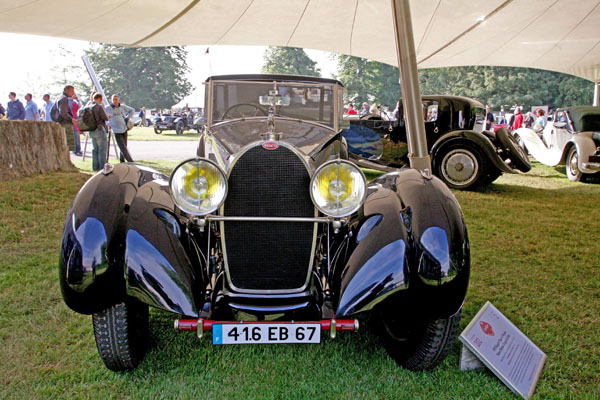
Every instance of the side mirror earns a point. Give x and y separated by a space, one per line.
560 124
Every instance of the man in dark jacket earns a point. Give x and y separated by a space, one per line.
2 111
98 135
15 109
66 116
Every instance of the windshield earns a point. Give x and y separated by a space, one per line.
238 99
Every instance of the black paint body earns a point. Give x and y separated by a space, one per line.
124 236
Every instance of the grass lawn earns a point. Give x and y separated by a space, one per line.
147 134
535 255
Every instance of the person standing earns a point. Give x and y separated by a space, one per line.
47 107
98 135
351 110
365 109
541 119
66 118
2 111
142 116
118 115
529 120
489 118
14 108
31 109
75 106
518 119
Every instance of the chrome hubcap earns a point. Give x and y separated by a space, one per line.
460 167
573 164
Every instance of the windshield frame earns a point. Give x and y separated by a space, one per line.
337 103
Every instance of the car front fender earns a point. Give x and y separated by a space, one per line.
478 139
158 270
412 244
93 244
585 147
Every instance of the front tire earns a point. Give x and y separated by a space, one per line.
157 131
121 333
460 166
517 155
572 166
419 345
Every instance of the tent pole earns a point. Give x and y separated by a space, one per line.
597 94
411 92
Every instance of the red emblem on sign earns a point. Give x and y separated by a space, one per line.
486 328
270 145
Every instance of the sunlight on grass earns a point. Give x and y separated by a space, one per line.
147 134
535 255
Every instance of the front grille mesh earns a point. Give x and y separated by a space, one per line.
268 255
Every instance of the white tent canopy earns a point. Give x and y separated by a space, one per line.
558 35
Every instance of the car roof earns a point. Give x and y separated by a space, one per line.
274 77
585 118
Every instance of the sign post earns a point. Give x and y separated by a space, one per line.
504 349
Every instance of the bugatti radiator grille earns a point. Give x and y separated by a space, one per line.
268 255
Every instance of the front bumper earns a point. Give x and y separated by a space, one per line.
594 166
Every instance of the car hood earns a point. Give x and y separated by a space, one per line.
304 136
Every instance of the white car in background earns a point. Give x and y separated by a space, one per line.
571 137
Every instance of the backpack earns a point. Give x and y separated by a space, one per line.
54 112
86 120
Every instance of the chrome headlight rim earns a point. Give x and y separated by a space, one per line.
222 173
354 209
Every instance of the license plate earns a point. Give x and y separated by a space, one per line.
270 333
163 126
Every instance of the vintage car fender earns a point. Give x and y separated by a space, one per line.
479 139
584 142
411 241
92 253
158 270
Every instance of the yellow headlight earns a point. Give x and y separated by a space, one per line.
198 186
338 188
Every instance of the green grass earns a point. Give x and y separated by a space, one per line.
535 255
162 166
147 134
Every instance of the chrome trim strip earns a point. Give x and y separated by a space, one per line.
222 219
276 117
324 220
209 105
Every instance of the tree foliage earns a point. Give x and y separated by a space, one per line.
369 81
70 71
289 60
153 77
372 81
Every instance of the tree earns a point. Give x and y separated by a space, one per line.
152 77
69 71
372 81
369 81
289 60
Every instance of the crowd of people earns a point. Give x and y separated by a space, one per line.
371 109
114 116
536 119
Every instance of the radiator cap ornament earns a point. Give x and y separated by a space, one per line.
270 145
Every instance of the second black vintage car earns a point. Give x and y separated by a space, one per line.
268 234
463 154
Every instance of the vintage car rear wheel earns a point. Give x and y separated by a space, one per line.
121 333
179 128
572 166
419 344
459 165
517 155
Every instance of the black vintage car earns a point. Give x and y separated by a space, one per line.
177 122
269 234
463 154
